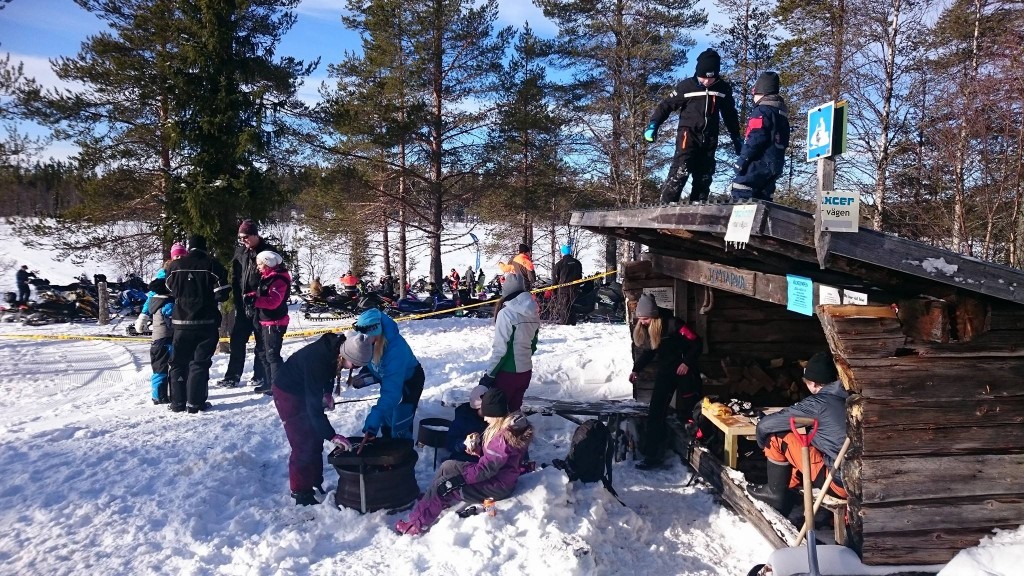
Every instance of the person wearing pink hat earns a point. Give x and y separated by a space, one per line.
178 250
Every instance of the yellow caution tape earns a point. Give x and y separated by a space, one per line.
301 333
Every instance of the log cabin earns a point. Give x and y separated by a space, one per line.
929 344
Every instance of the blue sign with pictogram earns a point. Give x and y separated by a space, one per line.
819 131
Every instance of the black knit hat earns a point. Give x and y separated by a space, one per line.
709 64
821 369
524 248
767 83
494 403
197 242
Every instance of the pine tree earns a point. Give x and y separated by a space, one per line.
181 114
450 58
621 55
232 101
525 144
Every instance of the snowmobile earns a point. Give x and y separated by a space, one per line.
330 305
56 306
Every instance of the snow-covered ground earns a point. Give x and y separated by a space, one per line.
97 480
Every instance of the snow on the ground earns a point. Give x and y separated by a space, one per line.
97 480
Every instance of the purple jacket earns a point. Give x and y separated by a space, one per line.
497 472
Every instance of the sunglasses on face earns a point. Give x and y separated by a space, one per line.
366 329
244 236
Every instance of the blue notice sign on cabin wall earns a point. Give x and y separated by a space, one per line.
800 294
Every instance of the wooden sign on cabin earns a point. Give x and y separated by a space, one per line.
727 278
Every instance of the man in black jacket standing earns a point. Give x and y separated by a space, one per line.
566 270
700 100
245 277
21 278
198 283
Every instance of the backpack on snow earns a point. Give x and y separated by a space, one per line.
588 455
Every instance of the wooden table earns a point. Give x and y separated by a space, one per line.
734 426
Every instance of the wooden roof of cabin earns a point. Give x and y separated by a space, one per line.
782 242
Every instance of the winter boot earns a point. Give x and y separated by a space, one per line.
408 527
262 388
227 382
776 492
305 498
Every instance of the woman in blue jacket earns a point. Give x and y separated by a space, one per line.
400 375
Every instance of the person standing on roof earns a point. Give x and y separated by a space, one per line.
764 151
700 100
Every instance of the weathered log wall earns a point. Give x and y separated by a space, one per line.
738 325
937 459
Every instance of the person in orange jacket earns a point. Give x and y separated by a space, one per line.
522 264
350 282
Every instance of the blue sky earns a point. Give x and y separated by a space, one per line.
33 31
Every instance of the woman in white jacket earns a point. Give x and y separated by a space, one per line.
516 321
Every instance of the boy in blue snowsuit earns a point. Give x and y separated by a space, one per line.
157 311
764 151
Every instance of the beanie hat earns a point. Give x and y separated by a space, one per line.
269 258
197 242
646 307
512 283
821 369
767 83
158 286
476 396
494 403
248 227
565 249
369 323
709 64
357 348
524 248
178 249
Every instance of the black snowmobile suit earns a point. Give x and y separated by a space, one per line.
697 136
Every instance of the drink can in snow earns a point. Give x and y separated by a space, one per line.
489 507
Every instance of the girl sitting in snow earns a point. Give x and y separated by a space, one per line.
504 442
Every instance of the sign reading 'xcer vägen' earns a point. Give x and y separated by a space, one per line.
727 278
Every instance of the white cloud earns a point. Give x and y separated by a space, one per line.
323 9
516 12
38 67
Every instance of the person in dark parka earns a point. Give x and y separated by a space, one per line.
826 404
21 278
245 278
198 283
665 339
700 100
567 269
302 390
763 156
467 421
